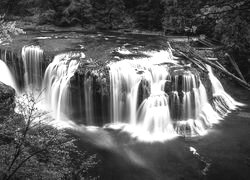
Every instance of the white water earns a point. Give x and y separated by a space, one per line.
151 119
6 76
88 95
32 57
56 82
188 113
223 102
191 109
140 103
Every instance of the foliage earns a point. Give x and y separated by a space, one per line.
232 22
31 149
147 14
7 29
108 14
225 20
181 16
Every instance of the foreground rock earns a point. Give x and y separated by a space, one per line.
7 100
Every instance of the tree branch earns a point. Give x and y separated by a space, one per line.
20 165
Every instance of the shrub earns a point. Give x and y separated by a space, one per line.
31 149
7 29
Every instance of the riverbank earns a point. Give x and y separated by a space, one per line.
29 24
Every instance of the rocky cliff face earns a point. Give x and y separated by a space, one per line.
7 100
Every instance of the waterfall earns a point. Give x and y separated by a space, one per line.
137 95
189 106
186 89
124 84
154 115
56 83
6 76
160 97
14 62
153 98
88 95
222 102
33 59
125 79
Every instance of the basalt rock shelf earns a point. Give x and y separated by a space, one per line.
152 96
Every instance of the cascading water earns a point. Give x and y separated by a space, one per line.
161 98
149 110
6 76
56 82
222 102
14 62
88 95
189 106
153 98
33 58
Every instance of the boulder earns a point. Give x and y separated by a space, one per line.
7 100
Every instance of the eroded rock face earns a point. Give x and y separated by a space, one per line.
90 94
7 100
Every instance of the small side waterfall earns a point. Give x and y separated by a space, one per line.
6 76
33 58
222 102
15 64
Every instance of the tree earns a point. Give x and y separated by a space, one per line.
180 16
8 6
108 14
232 22
32 149
77 11
86 12
149 13
7 29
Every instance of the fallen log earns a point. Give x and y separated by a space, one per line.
212 59
194 61
235 66
219 64
206 43
240 81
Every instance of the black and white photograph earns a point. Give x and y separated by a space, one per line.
124 90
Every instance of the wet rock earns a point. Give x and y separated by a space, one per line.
144 91
90 93
7 100
168 87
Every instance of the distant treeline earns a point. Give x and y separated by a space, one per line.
104 14
226 20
